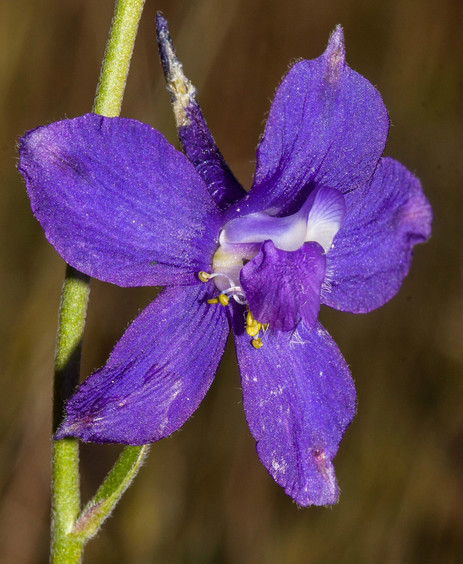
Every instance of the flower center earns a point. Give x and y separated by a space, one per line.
276 265
318 220
227 263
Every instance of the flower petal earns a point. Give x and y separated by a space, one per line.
319 219
372 251
194 135
283 287
118 202
157 374
325 217
299 399
327 126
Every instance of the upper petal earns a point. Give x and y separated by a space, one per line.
157 374
193 132
318 220
327 125
283 287
299 399
118 202
372 251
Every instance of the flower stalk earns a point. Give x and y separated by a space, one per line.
69 531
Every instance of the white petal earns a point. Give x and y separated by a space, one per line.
325 217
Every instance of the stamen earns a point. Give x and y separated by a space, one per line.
215 274
251 322
237 294
204 276
253 328
235 291
223 299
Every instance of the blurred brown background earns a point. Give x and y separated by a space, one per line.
202 497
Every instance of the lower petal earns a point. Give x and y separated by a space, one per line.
299 399
283 287
372 252
157 374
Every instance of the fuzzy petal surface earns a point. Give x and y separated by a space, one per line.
327 126
193 132
283 287
372 252
299 398
118 202
157 374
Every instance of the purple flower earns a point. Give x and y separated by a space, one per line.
327 221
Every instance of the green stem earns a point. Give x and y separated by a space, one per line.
116 61
65 453
66 547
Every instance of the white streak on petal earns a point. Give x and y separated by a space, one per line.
325 217
287 233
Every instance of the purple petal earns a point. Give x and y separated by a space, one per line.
327 126
283 287
319 219
118 202
299 399
372 251
194 135
157 374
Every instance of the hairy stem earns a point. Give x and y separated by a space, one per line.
65 453
116 61
66 547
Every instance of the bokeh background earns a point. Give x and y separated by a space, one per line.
202 497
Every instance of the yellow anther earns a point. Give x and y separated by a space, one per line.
203 276
257 343
265 326
220 299
223 299
252 330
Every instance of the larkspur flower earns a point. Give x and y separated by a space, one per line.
327 220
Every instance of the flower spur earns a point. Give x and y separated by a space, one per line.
327 221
